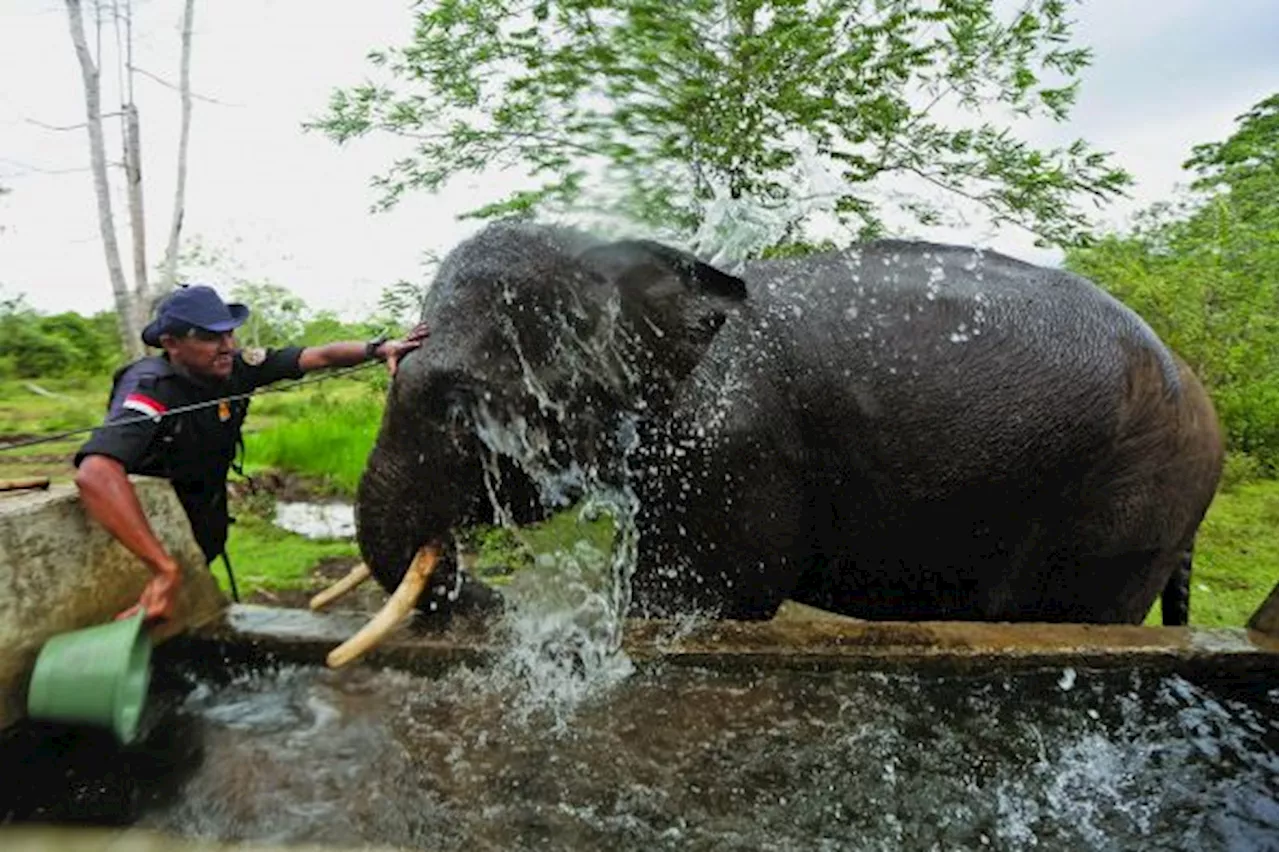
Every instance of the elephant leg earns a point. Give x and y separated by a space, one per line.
1104 589
1175 601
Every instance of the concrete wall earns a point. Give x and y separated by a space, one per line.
60 571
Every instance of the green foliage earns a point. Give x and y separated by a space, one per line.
1203 274
1239 469
267 557
1245 164
402 302
681 103
38 346
322 435
276 316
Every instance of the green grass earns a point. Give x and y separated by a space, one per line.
500 552
1236 558
322 435
24 412
267 557
74 403
322 431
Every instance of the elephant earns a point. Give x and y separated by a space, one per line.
898 430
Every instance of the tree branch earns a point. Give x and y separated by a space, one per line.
30 168
89 75
179 195
1000 217
80 126
163 82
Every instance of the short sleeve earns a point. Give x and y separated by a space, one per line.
263 366
132 424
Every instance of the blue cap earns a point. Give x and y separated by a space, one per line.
198 306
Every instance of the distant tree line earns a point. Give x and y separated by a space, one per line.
37 345
1203 273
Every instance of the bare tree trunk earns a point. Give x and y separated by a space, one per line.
98 163
137 220
133 169
169 279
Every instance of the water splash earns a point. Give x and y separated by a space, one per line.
564 621
738 226
686 758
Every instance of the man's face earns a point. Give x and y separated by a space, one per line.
206 354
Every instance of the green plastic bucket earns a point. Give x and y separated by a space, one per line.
95 676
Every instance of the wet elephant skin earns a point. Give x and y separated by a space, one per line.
898 430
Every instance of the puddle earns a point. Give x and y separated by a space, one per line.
317 520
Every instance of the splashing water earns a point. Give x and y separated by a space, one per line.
735 227
564 620
684 758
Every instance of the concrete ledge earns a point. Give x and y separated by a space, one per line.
306 637
59 571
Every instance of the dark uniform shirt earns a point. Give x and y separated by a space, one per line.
192 449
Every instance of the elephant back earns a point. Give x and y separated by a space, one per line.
943 365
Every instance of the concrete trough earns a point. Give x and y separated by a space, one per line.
59 571
799 637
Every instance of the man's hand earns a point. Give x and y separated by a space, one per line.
393 350
160 596
109 498
349 353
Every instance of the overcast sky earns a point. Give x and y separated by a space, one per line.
294 208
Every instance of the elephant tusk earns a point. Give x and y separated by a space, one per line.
399 605
355 577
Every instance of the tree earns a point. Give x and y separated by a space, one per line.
91 77
401 304
133 306
170 277
688 105
37 346
1203 273
1245 165
277 317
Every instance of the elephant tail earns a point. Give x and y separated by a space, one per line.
1175 601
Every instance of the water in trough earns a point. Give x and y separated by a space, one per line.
681 758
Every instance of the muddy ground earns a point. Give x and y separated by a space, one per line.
368 597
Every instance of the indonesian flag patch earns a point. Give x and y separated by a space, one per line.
144 405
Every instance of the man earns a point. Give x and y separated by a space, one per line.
149 429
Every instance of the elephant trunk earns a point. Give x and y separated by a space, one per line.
422 480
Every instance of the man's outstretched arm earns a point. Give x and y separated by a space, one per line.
109 498
349 353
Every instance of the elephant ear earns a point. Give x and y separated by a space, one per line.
671 301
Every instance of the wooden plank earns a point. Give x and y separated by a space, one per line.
24 483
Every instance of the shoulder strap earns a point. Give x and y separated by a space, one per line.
150 367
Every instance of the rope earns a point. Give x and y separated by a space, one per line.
195 406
